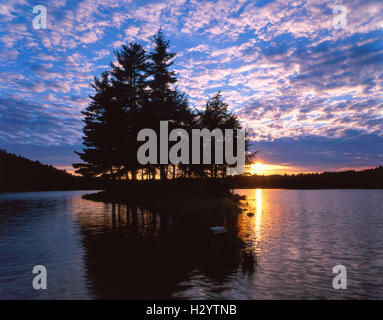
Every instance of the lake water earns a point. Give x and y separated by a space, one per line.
286 248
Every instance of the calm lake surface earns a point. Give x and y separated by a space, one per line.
286 249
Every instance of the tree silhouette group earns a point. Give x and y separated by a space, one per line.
138 92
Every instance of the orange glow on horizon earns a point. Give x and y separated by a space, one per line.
267 169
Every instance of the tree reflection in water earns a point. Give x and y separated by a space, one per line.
132 253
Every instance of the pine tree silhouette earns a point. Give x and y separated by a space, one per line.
101 132
130 88
138 92
163 103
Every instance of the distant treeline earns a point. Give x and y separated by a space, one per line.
20 174
370 178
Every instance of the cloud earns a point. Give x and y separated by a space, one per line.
354 150
290 76
28 122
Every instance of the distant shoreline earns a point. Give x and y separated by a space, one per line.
236 188
55 190
18 174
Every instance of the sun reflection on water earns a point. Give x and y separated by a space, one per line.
258 215
250 228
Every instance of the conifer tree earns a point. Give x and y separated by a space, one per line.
130 82
162 103
100 135
216 115
138 92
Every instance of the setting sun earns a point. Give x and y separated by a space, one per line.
265 169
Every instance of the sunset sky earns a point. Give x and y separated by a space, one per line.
310 95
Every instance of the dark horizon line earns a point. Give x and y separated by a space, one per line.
243 174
